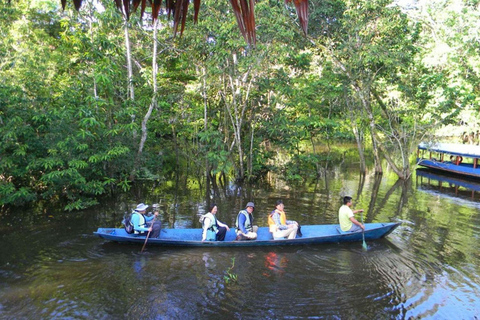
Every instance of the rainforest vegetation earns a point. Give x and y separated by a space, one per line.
91 101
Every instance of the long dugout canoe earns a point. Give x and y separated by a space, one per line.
312 234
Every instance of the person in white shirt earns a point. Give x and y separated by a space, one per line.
217 228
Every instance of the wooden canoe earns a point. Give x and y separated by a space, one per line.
312 234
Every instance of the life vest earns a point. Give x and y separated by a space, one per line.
142 222
271 222
213 222
248 221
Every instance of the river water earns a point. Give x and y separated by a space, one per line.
53 267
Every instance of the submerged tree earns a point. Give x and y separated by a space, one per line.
212 101
374 53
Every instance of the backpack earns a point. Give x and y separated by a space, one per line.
128 223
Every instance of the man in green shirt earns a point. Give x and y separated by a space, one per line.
346 217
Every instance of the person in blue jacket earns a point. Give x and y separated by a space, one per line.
244 223
143 224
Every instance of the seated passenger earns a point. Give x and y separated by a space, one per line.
213 230
279 226
244 223
145 225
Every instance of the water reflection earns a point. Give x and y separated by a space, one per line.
447 185
428 268
275 263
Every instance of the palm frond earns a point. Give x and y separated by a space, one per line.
302 12
243 9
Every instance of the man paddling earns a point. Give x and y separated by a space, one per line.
346 217
143 224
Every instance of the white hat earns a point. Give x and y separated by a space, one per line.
141 206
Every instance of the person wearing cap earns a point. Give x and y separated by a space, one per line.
143 224
244 223
278 224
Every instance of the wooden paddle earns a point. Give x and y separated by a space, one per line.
155 207
148 234
364 244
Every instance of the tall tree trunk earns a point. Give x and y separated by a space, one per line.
361 153
376 154
205 128
364 96
241 172
131 90
403 173
398 138
357 131
153 103
373 197
236 108
250 157
90 28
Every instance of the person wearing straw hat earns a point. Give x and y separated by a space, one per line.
346 217
244 223
143 224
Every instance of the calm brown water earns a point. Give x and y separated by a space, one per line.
52 267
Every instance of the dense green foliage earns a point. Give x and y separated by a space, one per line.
369 72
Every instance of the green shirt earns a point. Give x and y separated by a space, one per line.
344 215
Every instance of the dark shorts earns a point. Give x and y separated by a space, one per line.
155 233
157 225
